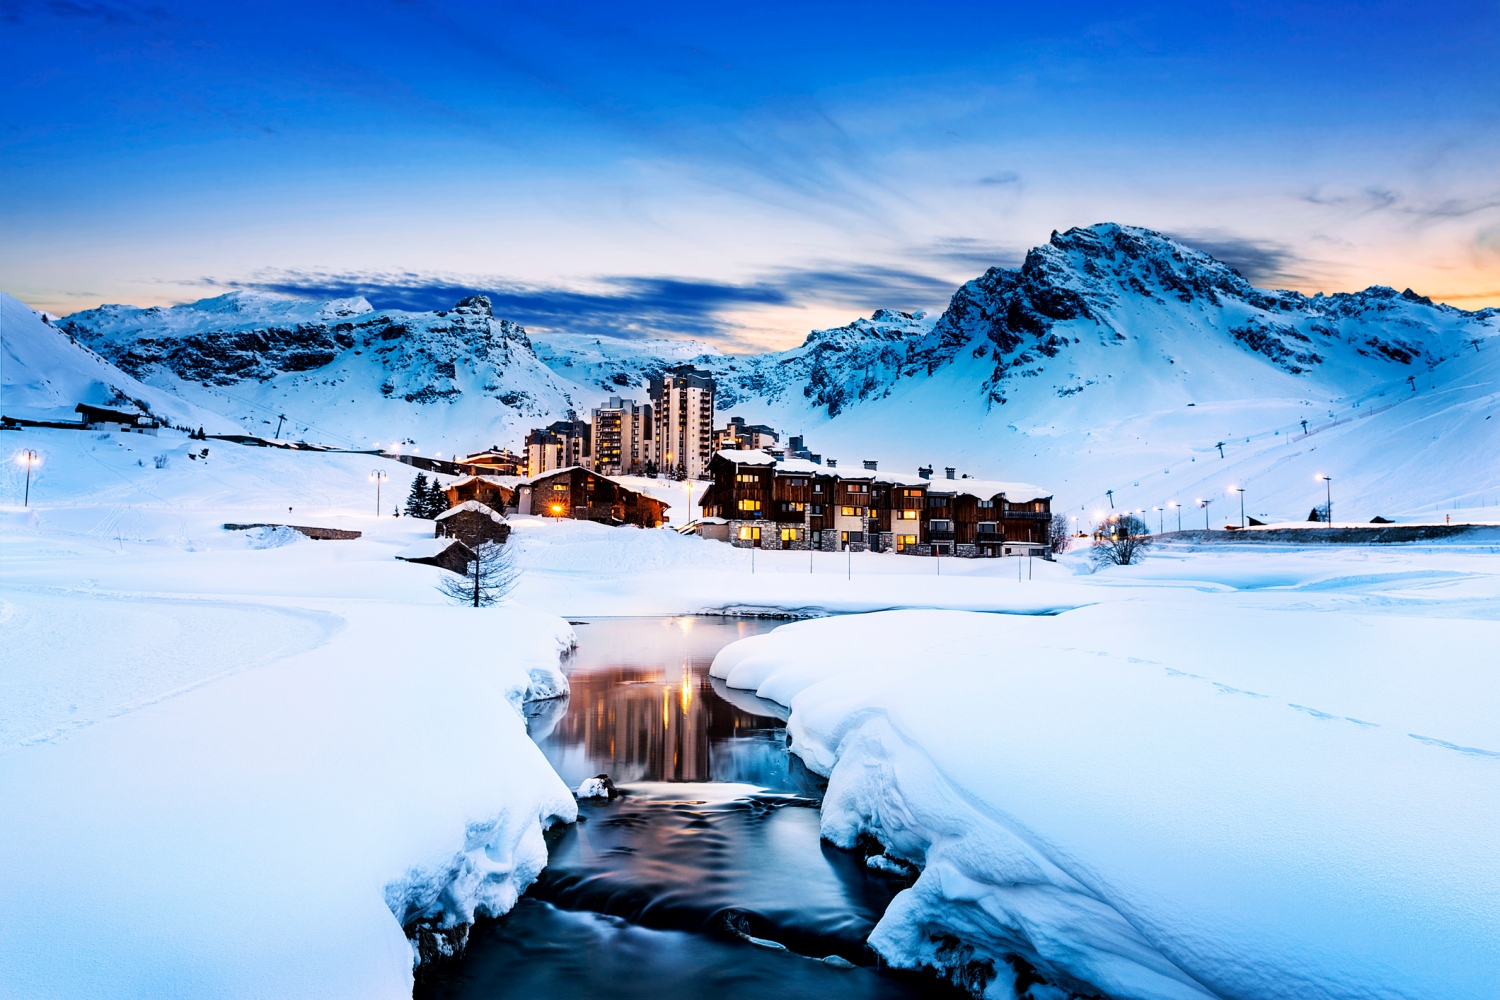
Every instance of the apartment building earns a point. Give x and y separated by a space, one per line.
740 436
562 444
623 435
796 504
682 404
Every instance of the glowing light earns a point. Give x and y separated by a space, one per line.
28 458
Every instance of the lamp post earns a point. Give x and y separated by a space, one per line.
1204 504
1328 485
1161 525
30 457
377 477
1174 503
1241 491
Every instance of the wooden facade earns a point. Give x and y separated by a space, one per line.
799 504
495 492
583 495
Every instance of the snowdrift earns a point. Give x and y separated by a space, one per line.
1131 800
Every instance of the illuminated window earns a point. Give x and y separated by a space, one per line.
856 488
902 541
560 487
913 493
849 511
788 534
749 505
747 477
907 515
749 534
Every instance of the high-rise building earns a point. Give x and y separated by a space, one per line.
745 437
622 437
561 444
682 401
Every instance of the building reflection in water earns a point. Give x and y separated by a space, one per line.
643 708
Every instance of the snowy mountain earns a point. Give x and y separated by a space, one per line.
1114 366
46 375
341 372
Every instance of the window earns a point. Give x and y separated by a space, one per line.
942 525
817 538
797 482
817 487
937 501
907 515
788 534
749 505
986 503
747 477
911 493
793 506
902 541
849 511
560 487
856 488
817 510
749 534
986 527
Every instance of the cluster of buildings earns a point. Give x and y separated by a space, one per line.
759 500
671 434
762 493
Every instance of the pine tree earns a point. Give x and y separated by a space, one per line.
437 499
416 501
491 575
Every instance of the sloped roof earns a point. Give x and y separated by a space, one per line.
986 488
426 548
471 505
507 482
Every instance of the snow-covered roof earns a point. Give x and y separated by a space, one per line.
597 475
427 548
800 467
508 482
471 505
900 478
985 489
743 456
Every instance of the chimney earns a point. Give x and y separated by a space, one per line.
949 470
832 463
870 466
925 472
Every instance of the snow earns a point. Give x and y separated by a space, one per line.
46 375
1234 773
427 548
472 506
237 771
592 788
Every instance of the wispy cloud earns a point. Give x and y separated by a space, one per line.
624 306
1262 262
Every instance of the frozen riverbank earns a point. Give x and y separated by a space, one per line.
234 771
1164 799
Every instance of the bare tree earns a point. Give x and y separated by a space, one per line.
491 574
1126 540
1059 535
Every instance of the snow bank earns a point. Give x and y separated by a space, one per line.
1166 799
233 771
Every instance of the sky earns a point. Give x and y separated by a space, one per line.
738 173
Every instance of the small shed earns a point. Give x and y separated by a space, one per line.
473 523
446 553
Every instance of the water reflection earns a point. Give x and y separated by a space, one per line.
643 708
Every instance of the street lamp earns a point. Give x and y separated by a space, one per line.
557 512
1204 504
1161 526
30 458
1241 491
1328 485
1174 503
377 477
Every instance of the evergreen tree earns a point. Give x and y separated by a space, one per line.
437 499
416 501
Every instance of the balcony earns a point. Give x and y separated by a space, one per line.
940 536
989 537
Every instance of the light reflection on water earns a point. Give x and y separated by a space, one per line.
714 842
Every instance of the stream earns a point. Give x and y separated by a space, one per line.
706 877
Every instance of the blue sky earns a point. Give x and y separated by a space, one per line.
738 173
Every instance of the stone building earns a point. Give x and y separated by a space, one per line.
472 523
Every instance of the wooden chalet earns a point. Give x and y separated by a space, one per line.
495 492
798 504
585 495
450 554
473 523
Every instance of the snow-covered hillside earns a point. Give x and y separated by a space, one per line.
1114 366
46 375
341 372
